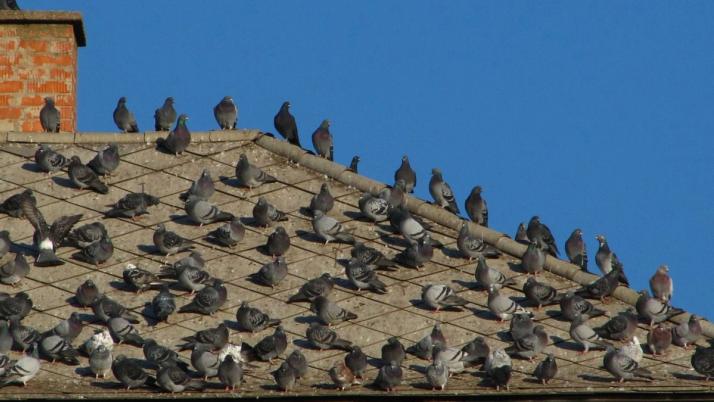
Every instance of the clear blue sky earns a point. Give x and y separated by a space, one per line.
596 114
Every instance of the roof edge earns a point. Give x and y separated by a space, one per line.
73 18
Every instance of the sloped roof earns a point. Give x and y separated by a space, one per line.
396 313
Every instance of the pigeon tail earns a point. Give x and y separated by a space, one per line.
47 258
99 187
343 344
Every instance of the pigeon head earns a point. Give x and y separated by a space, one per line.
326 275
228 358
227 99
535 220
286 105
280 230
169 101
531 281
89 284
317 214
75 160
356 159
405 159
663 269
393 340
578 232
50 101
325 124
325 188
436 172
601 239
261 200
206 173
122 101
182 120
160 227
75 316
476 190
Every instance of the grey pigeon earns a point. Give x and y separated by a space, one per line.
323 200
272 273
85 235
96 253
356 361
373 208
389 377
229 234
140 279
100 361
252 319
322 141
576 251
396 196
205 361
269 347
208 300
585 336
132 206
54 347
24 369
12 272
83 177
48 160
50 116
123 332
603 286
572 305
22 335
441 192
498 368
12 205
393 351
687 332
437 375
410 228
124 119
322 337
521 235
249 175
226 113
487 276
417 254
620 327
472 246
68 329
622 367
423 348
659 339
216 338
539 293
160 356
607 260
230 373
105 309
6 340
168 242
129 372
320 286
353 164
476 350
541 234
205 212
284 122
661 284
362 276
330 229
106 161
284 377
17 306
87 293
530 345
203 188
165 116
703 361
278 242
193 279
341 376
46 238
163 304
298 362
194 260
5 242
264 213
178 139
174 379
476 207
533 260
521 325
371 256
407 174
501 306
438 296
546 370
329 312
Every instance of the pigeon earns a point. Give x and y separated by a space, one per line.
68 329
417 254
140 279
6 340
130 373
11 206
503 307
193 279
226 113
572 305
546 370
9 5
272 273
284 122
437 374
269 347
498 368
228 235
687 332
586 336
653 310
48 160
659 339
230 373
122 331
47 238
249 175
194 261
330 229
476 207
576 251
174 379
83 177
23 336
320 286
216 338
521 235
12 272
389 376
356 361
603 286
264 213
539 293
160 356
353 164
24 369
410 228
85 235
165 116
208 300
124 119
87 293
661 284
533 260
406 173
205 361
284 377
371 256
521 325
362 276
487 276
100 361
622 367
541 234
373 208
423 348
633 349
531 345
132 206
99 338
455 359
202 188
322 141
619 328
393 351
396 196
437 297
607 260
252 319
106 161
476 350
96 253
341 376
322 338
168 242
54 348
329 312
18 306
322 201
163 304
204 212
298 362
473 247
703 361
441 192
178 140
5 242
105 309
50 116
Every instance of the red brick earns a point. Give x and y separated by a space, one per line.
10 86
65 100
5 72
7 112
61 74
47 86
8 44
10 59
64 46
35 45
33 125
48 59
5 100
32 101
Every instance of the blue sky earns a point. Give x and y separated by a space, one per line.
590 114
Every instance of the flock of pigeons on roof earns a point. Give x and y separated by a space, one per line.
213 355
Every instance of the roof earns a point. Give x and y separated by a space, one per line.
396 313
47 17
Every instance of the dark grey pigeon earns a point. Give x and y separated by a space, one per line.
23 336
139 279
322 201
371 256
272 273
130 373
50 116
105 161
204 361
12 272
18 306
546 370
163 304
269 347
423 348
622 367
194 260
202 188
320 286
533 260
477 349
168 242
174 379
363 276
602 287
48 160
229 234
264 213
226 113
298 362
322 141
406 173
389 377
356 361
441 192
284 377
208 300
105 309
607 260
541 234
87 234
249 175
159 355
252 319
576 251
179 139
620 327
539 293
87 293
476 207
5 242
84 177
417 254
165 116
353 164
285 124
216 338
47 238
12 205
54 347
68 329
521 235
96 253
687 333
193 279
6 340
329 312
205 212
703 361
396 195
278 242
132 205
230 373
472 246
323 338
572 305
124 119
530 345
521 325
393 351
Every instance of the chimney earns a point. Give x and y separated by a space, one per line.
38 58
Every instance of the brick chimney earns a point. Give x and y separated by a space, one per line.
38 58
